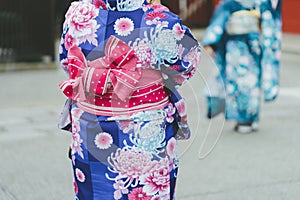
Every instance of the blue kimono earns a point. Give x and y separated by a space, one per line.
125 60
246 38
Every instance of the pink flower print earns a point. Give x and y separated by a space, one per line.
171 148
76 113
71 10
180 51
138 194
82 17
158 181
193 57
81 22
76 145
103 140
75 126
127 126
181 107
191 73
175 67
130 162
69 41
100 4
153 18
119 189
155 7
124 123
75 187
124 26
80 175
179 32
170 110
156 197
162 197
159 7
155 15
60 50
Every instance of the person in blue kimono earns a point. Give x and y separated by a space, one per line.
244 38
125 60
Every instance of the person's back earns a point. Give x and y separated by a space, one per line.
124 60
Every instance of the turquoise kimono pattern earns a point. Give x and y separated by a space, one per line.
247 63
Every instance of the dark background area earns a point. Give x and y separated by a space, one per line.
28 29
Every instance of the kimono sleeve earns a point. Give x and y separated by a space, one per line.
271 26
65 121
187 60
217 27
179 71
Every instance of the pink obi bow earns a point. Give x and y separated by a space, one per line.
119 68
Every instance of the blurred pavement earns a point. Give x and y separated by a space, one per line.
259 166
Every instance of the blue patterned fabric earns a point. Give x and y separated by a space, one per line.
247 63
123 159
132 156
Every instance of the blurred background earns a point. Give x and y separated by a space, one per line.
30 29
33 151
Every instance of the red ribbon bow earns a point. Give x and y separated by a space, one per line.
119 68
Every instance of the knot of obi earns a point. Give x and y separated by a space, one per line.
119 70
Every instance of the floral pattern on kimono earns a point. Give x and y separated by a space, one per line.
127 156
246 64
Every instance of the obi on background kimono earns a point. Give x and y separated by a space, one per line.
246 37
124 60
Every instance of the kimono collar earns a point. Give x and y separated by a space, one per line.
247 3
274 4
118 5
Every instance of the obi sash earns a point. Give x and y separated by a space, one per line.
243 22
114 84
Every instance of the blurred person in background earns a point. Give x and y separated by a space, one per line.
125 60
244 39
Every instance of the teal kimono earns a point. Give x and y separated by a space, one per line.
246 38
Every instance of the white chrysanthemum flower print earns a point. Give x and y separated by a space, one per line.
124 26
103 140
79 175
